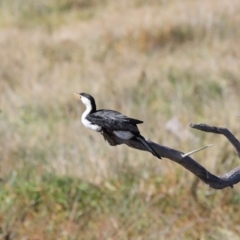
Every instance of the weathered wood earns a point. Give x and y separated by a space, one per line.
227 180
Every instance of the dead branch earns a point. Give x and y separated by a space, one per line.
227 180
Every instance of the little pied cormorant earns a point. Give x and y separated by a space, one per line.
114 126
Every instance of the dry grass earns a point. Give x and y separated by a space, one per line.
155 61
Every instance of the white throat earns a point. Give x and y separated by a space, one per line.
87 111
87 123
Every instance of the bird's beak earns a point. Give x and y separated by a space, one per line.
78 95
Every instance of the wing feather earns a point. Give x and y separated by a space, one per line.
114 121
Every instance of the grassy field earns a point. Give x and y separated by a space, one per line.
168 63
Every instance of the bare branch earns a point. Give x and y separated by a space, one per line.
227 180
223 131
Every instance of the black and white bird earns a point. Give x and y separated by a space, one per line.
114 126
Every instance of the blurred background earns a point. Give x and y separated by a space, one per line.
166 62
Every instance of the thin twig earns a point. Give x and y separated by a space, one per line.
194 151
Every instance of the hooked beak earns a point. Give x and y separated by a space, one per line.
78 95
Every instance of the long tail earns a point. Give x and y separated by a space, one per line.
147 146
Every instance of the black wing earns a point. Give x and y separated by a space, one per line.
114 121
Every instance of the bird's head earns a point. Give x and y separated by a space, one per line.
87 99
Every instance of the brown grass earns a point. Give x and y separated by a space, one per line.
155 61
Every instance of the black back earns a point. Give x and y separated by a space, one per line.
113 120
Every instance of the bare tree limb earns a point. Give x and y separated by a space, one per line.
223 131
227 180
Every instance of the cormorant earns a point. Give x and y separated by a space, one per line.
114 126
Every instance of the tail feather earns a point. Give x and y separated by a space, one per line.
147 146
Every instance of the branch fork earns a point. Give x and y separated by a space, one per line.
184 159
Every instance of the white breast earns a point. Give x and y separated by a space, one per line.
88 124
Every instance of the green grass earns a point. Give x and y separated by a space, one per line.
125 206
154 61
47 14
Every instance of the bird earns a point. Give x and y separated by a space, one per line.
114 126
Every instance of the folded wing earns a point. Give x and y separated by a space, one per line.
114 121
